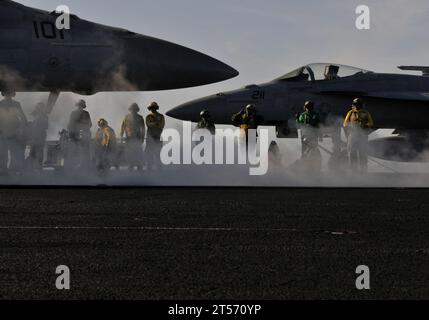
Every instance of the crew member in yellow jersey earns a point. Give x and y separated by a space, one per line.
357 126
105 146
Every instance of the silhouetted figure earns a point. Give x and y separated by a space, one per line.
37 139
13 126
134 130
206 122
247 119
79 130
155 125
357 125
105 147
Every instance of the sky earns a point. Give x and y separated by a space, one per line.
261 39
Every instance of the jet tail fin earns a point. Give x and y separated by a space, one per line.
423 69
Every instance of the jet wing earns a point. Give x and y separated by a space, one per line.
405 95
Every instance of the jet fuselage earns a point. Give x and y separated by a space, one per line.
89 57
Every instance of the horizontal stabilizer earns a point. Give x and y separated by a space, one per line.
423 69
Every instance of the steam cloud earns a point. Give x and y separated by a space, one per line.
114 106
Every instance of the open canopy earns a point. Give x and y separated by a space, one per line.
322 71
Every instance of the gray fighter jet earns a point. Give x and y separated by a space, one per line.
90 58
396 101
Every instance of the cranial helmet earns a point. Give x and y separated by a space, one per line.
205 114
309 105
102 122
250 108
8 92
153 106
81 104
134 107
357 102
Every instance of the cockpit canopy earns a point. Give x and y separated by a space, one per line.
322 71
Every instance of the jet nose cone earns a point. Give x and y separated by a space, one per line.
190 111
194 69
191 68
161 65
217 70
174 113
185 112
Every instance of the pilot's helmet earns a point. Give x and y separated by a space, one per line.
205 114
102 123
309 105
153 106
134 107
357 103
81 104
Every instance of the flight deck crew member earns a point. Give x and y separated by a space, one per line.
134 130
155 123
207 126
357 125
105 146
274 156
206 122
79 129
39 128
309 122
13 127
247 119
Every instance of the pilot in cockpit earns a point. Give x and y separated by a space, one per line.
331 72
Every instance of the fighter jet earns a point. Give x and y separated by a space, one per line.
36 56
396 101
